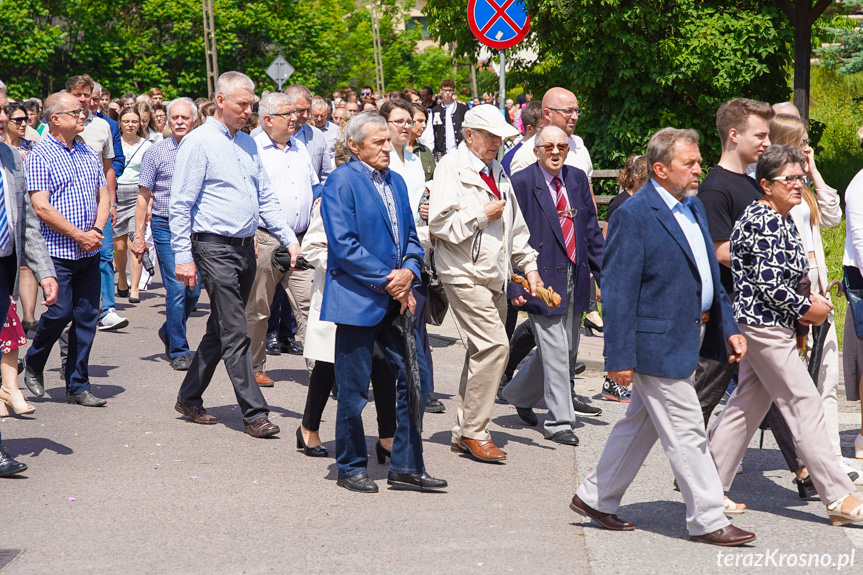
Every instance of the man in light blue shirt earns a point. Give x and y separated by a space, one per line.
219 196
682 211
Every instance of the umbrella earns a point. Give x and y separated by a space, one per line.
406 324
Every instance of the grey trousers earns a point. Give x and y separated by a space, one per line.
773 371
547 372
666 409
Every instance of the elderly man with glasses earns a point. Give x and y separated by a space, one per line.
70 195
481 237
558 208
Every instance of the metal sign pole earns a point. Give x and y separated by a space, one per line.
281 81
502 87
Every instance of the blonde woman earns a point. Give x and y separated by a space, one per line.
133 134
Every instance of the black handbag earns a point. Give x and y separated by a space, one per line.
437 303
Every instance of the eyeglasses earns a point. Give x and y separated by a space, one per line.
293 114
790 179
569 111
19 121
549 148
571 213
77 112
301 111
401 123
488 134
161 117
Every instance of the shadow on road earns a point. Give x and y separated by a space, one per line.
34 446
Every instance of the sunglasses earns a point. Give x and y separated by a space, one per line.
19 121
549 148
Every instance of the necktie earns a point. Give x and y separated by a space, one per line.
565 219
488 179
5 237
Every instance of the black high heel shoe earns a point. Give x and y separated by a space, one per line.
123 292
382 453
805 488
317 451
590 327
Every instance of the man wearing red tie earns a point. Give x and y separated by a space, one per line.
557 205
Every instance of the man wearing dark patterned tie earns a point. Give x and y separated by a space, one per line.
558 209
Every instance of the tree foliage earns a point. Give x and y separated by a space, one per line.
846 54
133 45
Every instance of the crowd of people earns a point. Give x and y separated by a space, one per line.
338 228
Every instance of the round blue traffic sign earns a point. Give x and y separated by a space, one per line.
498 24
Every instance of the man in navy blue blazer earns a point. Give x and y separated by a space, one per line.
373 259
557 205
664 303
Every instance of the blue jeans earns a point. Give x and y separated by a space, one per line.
78 303
354 346
179 300
106 270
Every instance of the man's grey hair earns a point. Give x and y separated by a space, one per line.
143 98
97 89
182 100
54 104
298 90
660 148
779 105
230 81
319 103
2 88
271 103
357 129
547 131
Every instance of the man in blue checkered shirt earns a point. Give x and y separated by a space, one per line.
70 196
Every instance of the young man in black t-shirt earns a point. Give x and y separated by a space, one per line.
744 129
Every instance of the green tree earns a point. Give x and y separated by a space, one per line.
846 56
638 66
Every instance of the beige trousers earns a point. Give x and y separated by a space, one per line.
481 313
773 371
298 285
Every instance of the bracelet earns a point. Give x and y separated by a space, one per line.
98 230
113 205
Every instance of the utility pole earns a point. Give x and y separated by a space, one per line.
210 47
376 43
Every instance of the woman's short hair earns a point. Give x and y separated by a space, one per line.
357 128
142 129
775 158
392 105
660 148
634 172
419 108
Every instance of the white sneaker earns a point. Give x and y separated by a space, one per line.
739 469
112 321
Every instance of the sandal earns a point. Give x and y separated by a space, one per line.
839 518
732 508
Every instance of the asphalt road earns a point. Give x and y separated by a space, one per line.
133 488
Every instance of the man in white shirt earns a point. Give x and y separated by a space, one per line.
289 167
559 108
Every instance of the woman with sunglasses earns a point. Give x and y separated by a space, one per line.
16 129
768 263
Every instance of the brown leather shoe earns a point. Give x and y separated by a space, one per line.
607 520
262 427
263 380
196 413
730 536
485 451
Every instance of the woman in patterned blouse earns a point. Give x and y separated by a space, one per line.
767 263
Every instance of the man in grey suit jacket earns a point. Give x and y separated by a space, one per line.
21 242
